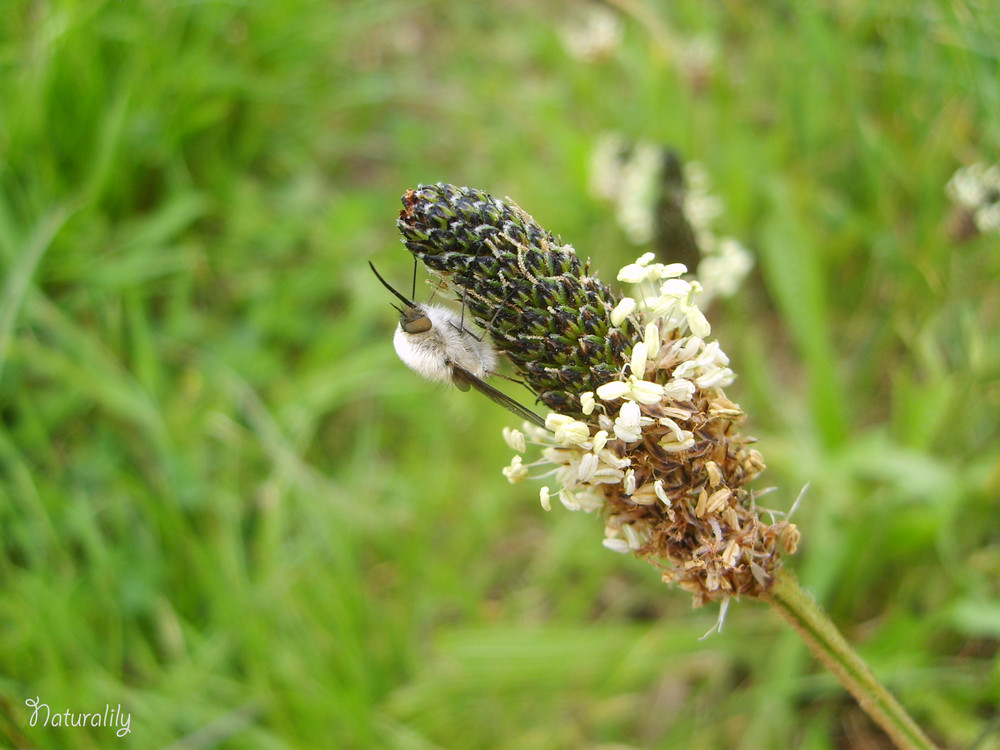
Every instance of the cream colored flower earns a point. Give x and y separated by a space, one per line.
659 452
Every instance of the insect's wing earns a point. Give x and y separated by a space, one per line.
463 379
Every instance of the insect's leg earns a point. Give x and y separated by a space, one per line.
461 320
501 307
465 292
461 327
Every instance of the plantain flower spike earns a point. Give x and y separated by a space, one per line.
641 428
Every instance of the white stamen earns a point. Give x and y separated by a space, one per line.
516 471
622 310
638 362
514 439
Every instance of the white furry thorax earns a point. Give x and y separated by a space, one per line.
447 342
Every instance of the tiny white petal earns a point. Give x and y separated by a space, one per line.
638 362
685 369
660 306
622 310
516 471
611 391
644 259
555 455
651 337
608 476
600 440
587 467
713 353
633 273
645 392
589 501
675 288
572 433
673 427
630 413
616 545
587 402
719 377
692 345
515 439
654 271
566 475
543 495
612 460
628 486
569 501
628 433
672 270
697 322
554 421
635 539
661 493
533 431
671 446
679 389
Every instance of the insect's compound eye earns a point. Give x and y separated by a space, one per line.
417 325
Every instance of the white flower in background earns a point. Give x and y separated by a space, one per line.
627 175
695 61
975 190
631 177
640 186
722 272
700 206
725 262
593 33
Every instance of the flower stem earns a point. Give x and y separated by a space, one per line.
826 643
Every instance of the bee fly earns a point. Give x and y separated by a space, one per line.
433 342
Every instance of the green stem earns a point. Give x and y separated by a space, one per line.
826 643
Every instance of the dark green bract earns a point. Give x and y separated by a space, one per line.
521 285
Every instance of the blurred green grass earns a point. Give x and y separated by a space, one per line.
226 506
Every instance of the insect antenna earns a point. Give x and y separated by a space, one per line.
388 286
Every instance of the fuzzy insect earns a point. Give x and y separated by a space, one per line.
433 342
